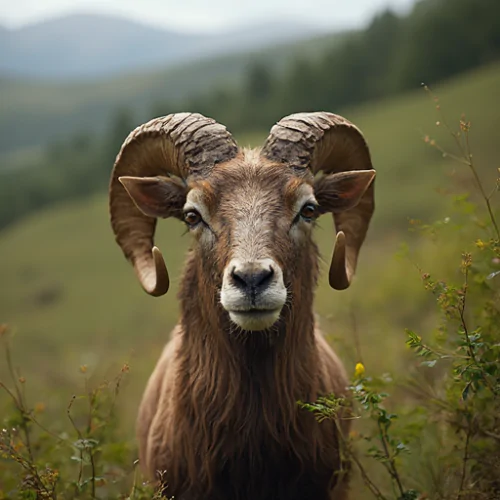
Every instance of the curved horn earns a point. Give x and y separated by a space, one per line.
183 145
329 143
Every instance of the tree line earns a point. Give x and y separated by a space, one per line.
436 40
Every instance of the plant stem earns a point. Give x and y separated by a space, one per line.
480 186
347 449
464 464
92 464
467 155
467 338
462 318
369 483
391 463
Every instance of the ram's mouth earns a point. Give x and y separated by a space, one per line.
255 319
255 311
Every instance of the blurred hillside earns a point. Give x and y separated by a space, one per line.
247 92
34 112
72 295
98 45
70 292
251 89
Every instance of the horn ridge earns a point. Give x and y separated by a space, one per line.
181 145
327 142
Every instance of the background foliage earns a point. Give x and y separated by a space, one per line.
437 40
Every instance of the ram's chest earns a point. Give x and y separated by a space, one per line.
264 478
270 478
259 467
256 445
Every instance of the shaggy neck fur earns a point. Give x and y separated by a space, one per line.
237 391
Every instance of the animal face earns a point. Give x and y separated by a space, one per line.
252 223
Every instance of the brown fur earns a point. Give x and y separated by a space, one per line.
219 415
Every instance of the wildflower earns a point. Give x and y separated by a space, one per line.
464 125
18 446
466 260
39 408
480 244
83 369
359 371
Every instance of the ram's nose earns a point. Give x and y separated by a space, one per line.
252 277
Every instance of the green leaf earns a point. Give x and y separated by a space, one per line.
465 392
430 363
29 495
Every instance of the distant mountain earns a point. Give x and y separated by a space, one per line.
34 112
91 46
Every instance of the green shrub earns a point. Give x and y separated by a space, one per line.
450 415
86 457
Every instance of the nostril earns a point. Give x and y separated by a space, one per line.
240 278
263 277
251 279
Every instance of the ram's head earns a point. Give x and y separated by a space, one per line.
250 212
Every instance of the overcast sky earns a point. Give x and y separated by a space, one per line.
203 15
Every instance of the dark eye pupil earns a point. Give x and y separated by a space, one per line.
192 218
308 211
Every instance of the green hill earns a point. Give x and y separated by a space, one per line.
33 112
72 299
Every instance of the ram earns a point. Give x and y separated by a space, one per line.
219 419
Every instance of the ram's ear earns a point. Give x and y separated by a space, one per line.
156 196
342 191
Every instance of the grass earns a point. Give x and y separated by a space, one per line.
73 300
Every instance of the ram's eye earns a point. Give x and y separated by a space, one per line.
308 212
192 218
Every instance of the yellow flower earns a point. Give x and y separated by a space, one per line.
39 408
480 244
359 371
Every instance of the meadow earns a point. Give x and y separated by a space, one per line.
71 299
